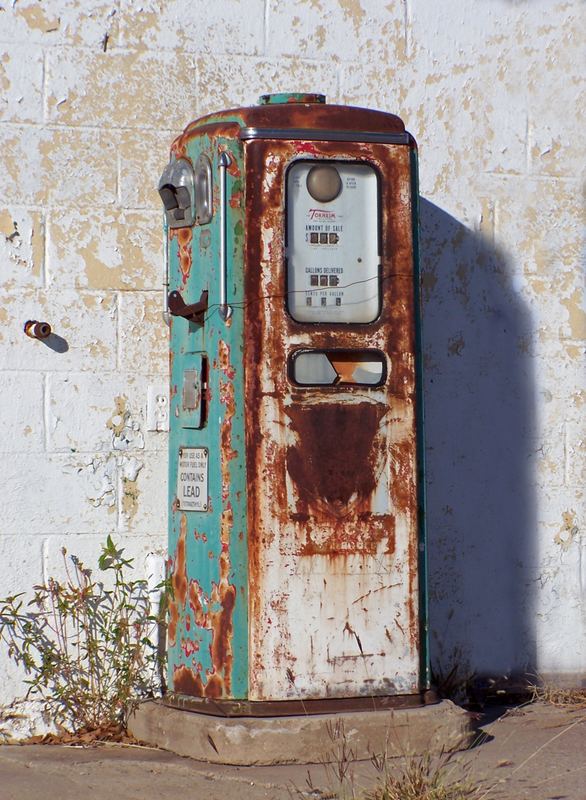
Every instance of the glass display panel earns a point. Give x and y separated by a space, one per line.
333 367
333 258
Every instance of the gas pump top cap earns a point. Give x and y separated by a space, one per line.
281 98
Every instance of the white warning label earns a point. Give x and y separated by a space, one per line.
192 479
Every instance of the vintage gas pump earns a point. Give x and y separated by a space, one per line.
296 543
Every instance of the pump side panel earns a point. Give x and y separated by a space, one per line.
332 473
207 634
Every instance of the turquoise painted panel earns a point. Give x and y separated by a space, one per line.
208 639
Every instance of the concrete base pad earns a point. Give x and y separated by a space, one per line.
442 727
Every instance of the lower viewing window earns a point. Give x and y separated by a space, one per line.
337 367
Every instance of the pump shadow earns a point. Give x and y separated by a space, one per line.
479 410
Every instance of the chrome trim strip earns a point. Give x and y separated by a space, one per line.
309 134
166 314
224 310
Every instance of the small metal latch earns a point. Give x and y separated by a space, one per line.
195 312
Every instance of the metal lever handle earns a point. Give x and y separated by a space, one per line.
194 312
225 310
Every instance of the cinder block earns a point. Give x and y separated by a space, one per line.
142 157
83 337
21 80
48 165
118 88
22 412
345 32
224 83
21 557
189 26
22 567
66 22
576 450
558 376
542 224
563 314
105 249
22 246
144 336
143 492
58 493
91 412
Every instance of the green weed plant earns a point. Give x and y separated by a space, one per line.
88 647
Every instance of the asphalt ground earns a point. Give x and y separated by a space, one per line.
533 752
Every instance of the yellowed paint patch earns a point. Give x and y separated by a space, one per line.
487 219
130 495
569 531
98 274
4 82
117 421
36 19
576 314
354 11
320 35
98 350
38 243
89 301
150 21
7 226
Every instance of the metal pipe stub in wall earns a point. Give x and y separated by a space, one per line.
37 330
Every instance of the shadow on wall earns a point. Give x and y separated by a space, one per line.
479 434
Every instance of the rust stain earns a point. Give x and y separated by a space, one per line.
403 486
236 199
186 681
316 116
219 622
189 646
196 605
327 481
179 577
173 621
224 360
214 687
184 237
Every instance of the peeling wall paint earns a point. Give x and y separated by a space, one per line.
93 91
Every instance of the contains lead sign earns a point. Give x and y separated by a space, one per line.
192 479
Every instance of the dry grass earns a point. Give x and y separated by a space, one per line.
563 698
421 778
424 777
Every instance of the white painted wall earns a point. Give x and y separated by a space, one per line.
93 93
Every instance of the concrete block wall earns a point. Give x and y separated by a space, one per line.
93 93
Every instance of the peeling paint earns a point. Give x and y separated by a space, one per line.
126 431
569 532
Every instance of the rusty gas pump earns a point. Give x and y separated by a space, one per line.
296 542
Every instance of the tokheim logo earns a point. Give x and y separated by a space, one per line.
318 213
